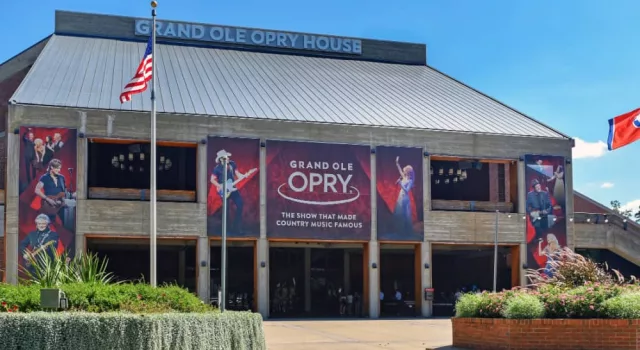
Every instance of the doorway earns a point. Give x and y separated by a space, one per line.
240 294
316 280
468 268
398 281
129 259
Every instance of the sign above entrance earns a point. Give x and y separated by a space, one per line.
250 36
318 191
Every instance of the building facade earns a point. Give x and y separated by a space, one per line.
356 167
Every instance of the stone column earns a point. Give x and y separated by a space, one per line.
522 189
425 253
204 265
263 277
11 206
523 262
568 181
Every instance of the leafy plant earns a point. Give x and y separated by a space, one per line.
626 306
570 269
523 306
53 270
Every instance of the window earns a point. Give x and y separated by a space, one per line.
121 171
462 181
501 183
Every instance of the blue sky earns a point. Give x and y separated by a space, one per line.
571 64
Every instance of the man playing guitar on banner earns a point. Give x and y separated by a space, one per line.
41 241
53 191
539 208
233 178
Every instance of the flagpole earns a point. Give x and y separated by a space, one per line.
153 168
223 269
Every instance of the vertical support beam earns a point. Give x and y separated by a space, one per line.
374 279
263 277
493 182
203 249
366 272
182 266
523 262
418 266
425 253
11 205
81 184
307 279
426 184
515 266
201 179
522 191
347 270
568 180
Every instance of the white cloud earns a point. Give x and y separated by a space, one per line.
633 205
585 149
607 185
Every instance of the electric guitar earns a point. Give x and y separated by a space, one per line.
231 185
32 254
60 201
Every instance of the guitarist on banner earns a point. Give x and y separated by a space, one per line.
234 176
53 191
40 241
539 208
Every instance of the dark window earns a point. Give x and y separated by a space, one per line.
501 184
126 166
463 181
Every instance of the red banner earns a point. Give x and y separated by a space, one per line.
47 185
399 185
243 186
546 210
318 191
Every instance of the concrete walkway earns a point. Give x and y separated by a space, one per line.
412 334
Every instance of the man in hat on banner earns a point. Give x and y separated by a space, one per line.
233 178
539 208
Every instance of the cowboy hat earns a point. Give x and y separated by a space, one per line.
222 153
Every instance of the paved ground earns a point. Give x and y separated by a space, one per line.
358 334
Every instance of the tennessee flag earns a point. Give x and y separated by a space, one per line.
624 129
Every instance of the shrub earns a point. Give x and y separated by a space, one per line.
582 302
625 306
570 269
72 331
95 297
485 305
523 306
51 272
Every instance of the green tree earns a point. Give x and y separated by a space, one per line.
627 213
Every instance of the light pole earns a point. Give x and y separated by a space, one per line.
495 255
223 269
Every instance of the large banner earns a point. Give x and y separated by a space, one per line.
47 185
546 210
399 185
318 191
243 186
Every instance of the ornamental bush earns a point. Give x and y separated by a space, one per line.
118 331
97 297
523 306
624 306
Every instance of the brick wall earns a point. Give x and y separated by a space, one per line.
475 333
582 205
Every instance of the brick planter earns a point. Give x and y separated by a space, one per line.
486 333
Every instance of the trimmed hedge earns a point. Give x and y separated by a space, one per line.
129 297
119 331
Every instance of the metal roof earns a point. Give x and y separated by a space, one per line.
90 73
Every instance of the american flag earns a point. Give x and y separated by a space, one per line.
143 74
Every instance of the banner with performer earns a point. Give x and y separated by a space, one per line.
243 186
318 191
399 185
47 201
545 208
